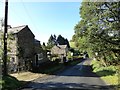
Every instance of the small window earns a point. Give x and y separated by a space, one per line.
12 59
40 56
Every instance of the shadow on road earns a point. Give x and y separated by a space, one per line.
79 71
66 86
78 77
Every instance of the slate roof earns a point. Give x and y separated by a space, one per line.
59 49
37 42
16 29
62 46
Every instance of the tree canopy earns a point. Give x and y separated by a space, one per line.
51 41
99 30
60 40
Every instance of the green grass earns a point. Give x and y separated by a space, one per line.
112 80
9 83
108 74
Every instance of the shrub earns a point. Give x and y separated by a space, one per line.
102 70
69 56
96 65
9 83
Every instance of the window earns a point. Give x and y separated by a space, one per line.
40 56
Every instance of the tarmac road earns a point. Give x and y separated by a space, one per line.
78 77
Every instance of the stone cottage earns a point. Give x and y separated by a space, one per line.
40 54
60 50
22 52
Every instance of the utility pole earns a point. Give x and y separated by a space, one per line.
5 39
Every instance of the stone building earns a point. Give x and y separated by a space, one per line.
60 50
22 53
40 54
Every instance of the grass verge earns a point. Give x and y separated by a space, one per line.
111 80
9 83
108 74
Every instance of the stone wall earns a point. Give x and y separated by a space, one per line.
22 52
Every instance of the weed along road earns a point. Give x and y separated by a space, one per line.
76 77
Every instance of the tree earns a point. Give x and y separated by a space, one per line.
44 46
2 49
60 40
1 46
51 41
67 43
1 40
1 23
92 33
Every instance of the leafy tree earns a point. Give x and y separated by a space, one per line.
98 30
51 41
1 45
67 43
54 36
62 41
44 44
1 39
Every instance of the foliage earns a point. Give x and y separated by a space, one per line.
1 46
112 80
67 43
55 58
108 74
62 41
69 56
44 47
9 83
10 37
97 66
76 52
98 30
51 41
72 44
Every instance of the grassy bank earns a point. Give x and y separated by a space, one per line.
109 74
9 83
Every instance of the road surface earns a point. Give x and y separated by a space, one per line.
78 77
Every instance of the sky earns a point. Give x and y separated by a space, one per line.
44 18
